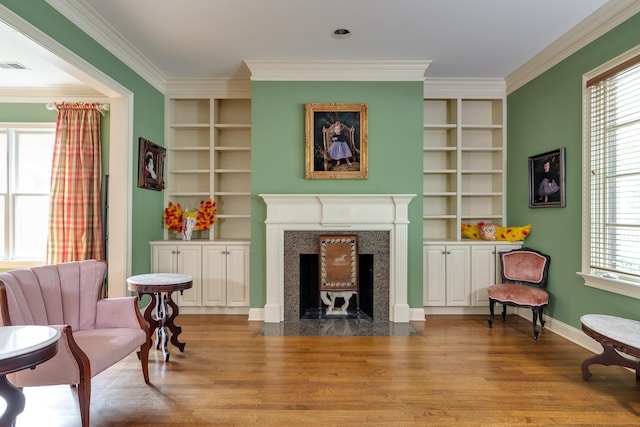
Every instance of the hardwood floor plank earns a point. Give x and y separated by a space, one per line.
457 372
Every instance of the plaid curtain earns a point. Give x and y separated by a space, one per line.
75 221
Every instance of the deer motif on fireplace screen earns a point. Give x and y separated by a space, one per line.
338 273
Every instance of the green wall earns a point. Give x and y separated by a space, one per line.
148 114
543 115
277 156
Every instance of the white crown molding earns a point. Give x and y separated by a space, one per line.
337 70
464 87
85 18
610 15
202 87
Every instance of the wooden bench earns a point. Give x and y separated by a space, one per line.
617 335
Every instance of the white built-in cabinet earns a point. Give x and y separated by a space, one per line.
464 160
220 272
457 274
209 155
208 143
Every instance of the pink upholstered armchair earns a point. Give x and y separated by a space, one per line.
96 333
524 278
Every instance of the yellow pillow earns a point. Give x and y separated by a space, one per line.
513 234
470 231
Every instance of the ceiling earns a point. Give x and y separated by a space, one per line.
211 39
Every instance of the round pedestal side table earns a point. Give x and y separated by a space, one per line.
22 347
162 310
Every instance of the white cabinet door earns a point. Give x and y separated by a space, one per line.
237 275
485 267
458 268
163 259
181 259
446 275
189 261
483 260
214 268
435 282
225 272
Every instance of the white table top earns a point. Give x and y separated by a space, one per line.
159 279
19 340
617 328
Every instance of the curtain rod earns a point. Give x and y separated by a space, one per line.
100 107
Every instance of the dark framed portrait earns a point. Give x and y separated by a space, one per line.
547 179
150 165
336 141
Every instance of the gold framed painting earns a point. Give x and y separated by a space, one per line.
336 141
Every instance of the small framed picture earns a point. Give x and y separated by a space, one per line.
336 141
546 179
150 165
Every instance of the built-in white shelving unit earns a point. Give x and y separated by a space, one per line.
463 164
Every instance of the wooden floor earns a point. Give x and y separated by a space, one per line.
458 372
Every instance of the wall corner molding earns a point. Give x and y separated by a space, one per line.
600 22
85 18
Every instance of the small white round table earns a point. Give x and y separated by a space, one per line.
22 347
160 286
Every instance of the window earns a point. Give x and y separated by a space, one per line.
611 224
27 153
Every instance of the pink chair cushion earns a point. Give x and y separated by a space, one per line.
518 294
524 266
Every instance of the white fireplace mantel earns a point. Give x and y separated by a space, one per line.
337 212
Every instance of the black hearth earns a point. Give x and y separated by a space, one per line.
309 280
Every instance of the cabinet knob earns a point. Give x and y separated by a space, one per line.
448 252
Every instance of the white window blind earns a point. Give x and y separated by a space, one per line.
615 172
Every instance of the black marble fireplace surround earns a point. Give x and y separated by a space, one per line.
375 243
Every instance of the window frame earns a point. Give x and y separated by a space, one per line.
11 261
615 285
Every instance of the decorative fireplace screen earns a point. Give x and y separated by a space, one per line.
338 272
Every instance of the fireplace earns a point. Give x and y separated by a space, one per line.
330 214
373 247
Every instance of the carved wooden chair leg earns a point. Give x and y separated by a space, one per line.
492 303
536 331
84 399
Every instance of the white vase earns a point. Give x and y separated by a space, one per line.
188 224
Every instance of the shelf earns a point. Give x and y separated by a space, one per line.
232 126
188 194
232 193
232 149
209 145
463 163
195 148
189 125
179 171
232 171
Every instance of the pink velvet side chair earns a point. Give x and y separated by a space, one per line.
524 274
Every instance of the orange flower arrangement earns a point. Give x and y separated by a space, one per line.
205 216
